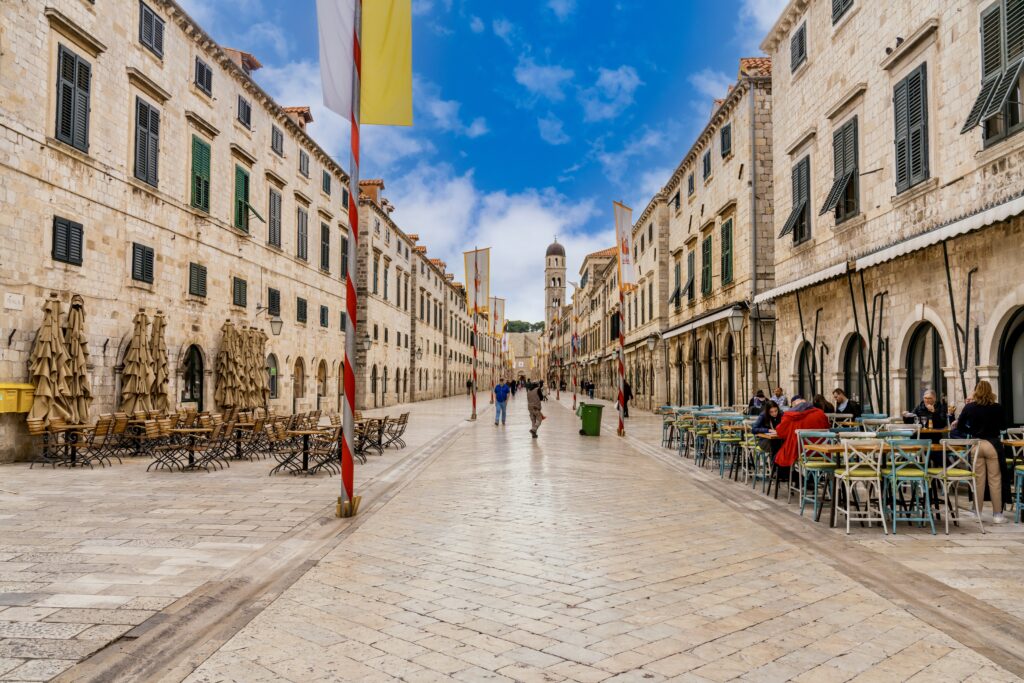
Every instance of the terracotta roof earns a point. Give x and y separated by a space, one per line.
244 59
610 251
755 66
372 182
413 236
303 112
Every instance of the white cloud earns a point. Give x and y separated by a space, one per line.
562 8
443 114
547 80
552 130
611 94
710 83
504 29
421 7
650 184
616 163
200 10
756 18
476 25
451 214
264 34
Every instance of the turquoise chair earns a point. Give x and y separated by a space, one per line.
816 468
907 472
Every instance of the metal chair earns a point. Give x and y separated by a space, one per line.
907 472
818 468
959 458
862 464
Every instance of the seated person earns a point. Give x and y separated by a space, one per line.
846 405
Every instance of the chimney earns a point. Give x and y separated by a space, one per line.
244 60
373 189
300 115
387 206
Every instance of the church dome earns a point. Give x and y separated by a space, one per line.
556 249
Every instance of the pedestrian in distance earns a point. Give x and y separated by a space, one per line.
627 396
469 387
534 396
501 392
513 387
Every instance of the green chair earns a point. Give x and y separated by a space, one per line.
818 469
862 465
959 458
907 473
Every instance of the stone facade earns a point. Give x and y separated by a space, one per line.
93 178
910 282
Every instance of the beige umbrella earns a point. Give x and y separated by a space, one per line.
137 374
226 392
48 368
80 391
263 390
158 349
251 365
242 343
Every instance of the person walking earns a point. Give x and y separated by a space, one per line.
984 419
534 396
469 387
627 396
501 392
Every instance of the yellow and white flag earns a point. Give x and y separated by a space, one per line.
497 308
478 280
385 92
624 245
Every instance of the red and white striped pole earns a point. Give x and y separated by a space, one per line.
476 296
622 363
348 504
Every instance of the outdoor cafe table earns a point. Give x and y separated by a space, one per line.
239 426
191 432
72 435
305 434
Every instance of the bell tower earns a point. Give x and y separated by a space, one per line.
554 282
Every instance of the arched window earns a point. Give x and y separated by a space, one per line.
806 382
709 359
679 375
1011 369
730 371
373 384
272 376
384 387
696 376
855 379
299 379
925 359
192 377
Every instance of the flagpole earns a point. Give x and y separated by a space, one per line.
348 502
622 362
476 306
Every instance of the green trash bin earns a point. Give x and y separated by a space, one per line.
590 414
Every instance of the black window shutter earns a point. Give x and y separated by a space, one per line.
917 120
84 78
273 302
900 110
75 234
147 264
61 238
74 79
141 139
153 155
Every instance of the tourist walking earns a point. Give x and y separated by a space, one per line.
513 387
501 392
983 419
534 396
469 387
627 396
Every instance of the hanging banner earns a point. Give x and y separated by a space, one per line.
624 240
497 311
478 280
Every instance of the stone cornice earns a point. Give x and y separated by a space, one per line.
147 85
789 17
64 24
924 33
202 124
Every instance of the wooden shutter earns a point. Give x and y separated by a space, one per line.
273 301
200 174
241 199
302 237
300 310
839 8
1014 29
726 140
274 210
705 266
147 264
325 246
324 317
727 252
196 279
991 64
153 155
344 259
917 125
74 81
147 142
798 47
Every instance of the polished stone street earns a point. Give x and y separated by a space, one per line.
483 554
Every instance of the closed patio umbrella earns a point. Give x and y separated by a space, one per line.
242 367
80 390
137 374
48 368
252 374
263 392
227 389
158 348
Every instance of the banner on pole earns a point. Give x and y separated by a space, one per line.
624 242
497 309
478 280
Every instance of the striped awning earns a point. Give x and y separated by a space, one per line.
806 281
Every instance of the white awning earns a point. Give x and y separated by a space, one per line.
963 226
700 322
804 282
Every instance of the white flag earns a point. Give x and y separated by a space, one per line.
337 21
624 243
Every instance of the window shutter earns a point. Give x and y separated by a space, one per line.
727 252
83 82
61 228
301 247
241 199
158 35
324 317
274 229
153 153
344 259
917 125
902 136
726 140
273 302
200 174
138 266
141 139
992 42
798 47
75 235
146 26
325 246
147 264
1014 29
66 87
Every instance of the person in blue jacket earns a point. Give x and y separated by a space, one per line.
501 392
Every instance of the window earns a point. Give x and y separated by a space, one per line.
272 383
999 107
707 164
650 301
705 266
274 211
273 302
343 317
200 174
196 280
376 273
839 8
304 162
302 234
147 142
344 197
726 140
325 182
690 185
798 48
204 76
386 278
910 104
239 292
241 199
325 317
799 222
727 252
677 287
244 112
325 247
344 257
676 201
807 371
142 263
277 141
300 309
843 198
151 30
67 241
74 80
650 233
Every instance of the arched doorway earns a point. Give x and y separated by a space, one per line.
298 384
679 375
192 377
1011 369
925 360
373 385
321 383
696 375
405 383
730 371
384 387
855 379
398 385
272 376
709 361
807 385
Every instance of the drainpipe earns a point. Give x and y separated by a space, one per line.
753 226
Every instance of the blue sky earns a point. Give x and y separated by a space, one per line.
530 117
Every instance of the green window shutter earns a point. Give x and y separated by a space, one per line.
705 266
300 310
141 139
239 288
74 82
196 279
200 174
726 141
344 259
901 137
325 247
274 212
324 317
727 252
241 199
1014 29
302 226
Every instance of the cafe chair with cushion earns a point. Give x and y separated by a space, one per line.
959 458
862 465
815 469
909 482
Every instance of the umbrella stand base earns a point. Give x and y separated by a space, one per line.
347 508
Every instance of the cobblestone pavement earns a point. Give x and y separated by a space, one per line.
88 555
567 558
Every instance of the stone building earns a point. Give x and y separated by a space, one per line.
898 177
144 167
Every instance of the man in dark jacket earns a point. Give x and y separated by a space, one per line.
846 405
534 396
627 396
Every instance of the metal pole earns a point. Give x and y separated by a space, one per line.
622 363
956 331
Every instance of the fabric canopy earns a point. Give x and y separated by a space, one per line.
161 378
48 368
79 387
137 374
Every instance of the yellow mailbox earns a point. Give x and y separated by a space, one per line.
15 397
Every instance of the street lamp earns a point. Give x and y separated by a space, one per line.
275 320
419 353
736 325
736 319
367 342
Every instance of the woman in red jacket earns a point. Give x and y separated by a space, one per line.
802 415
